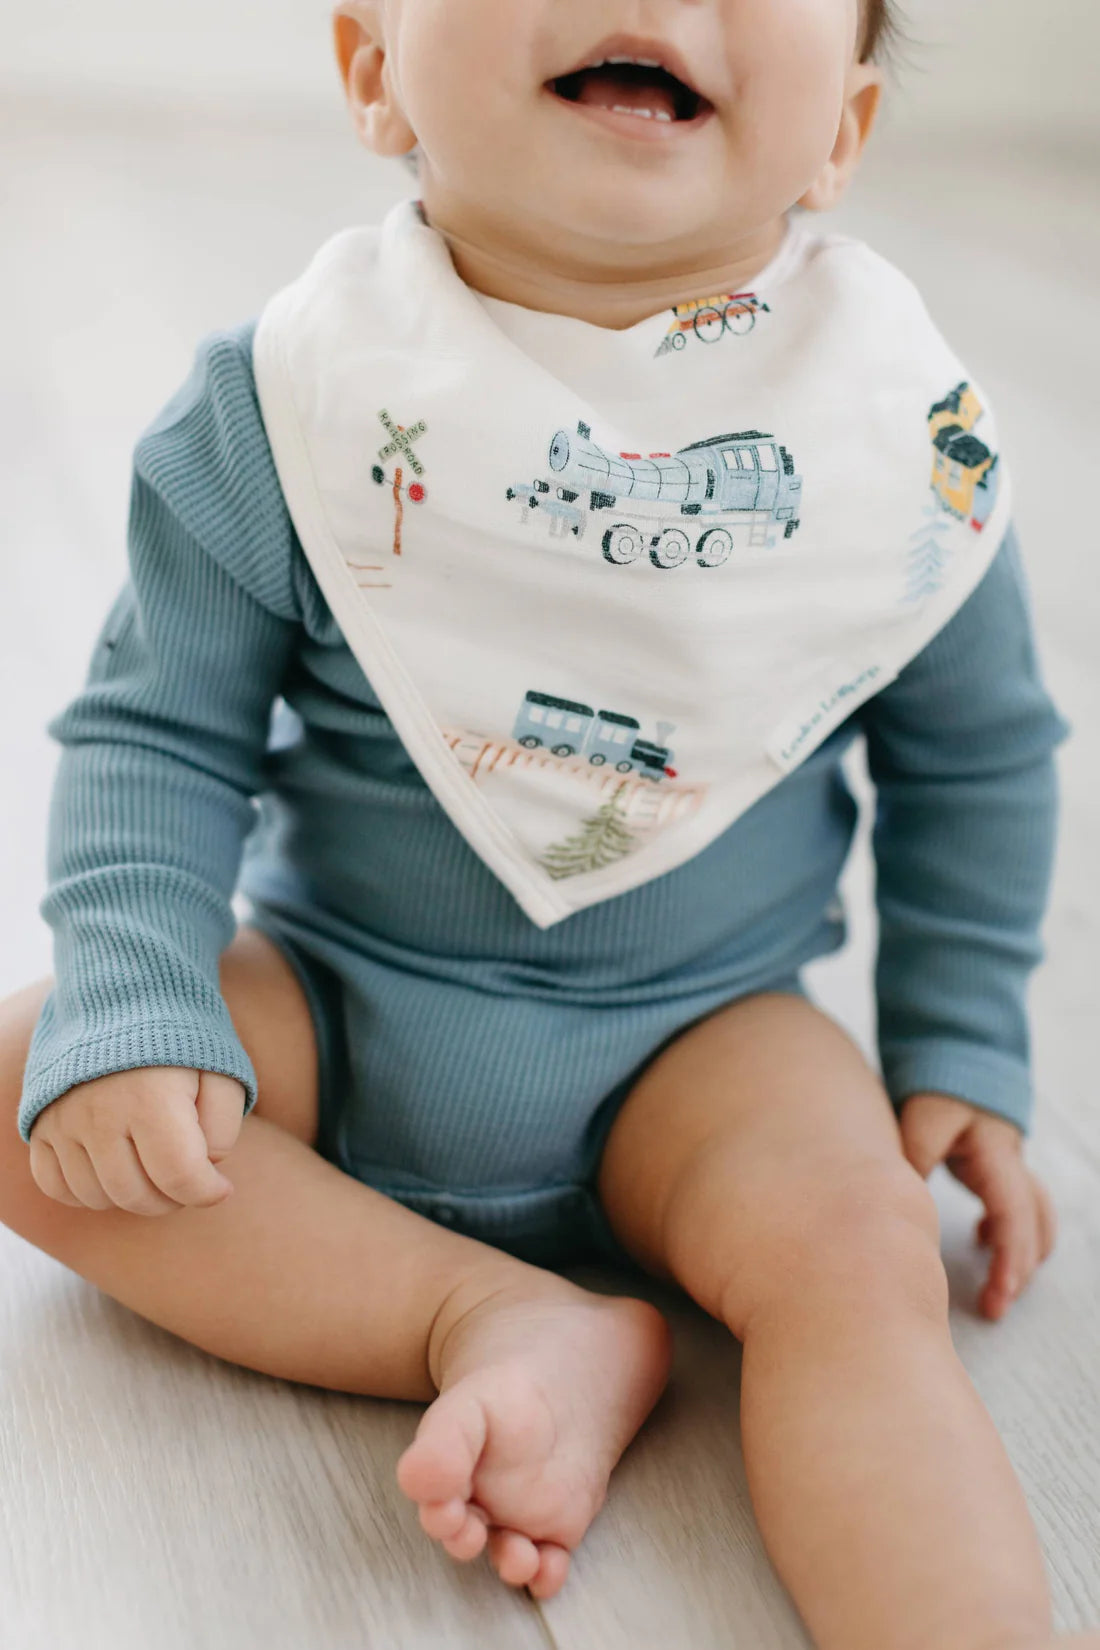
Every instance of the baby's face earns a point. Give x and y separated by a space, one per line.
527 111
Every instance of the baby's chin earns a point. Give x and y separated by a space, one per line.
645 195
606 201
619 213
633 179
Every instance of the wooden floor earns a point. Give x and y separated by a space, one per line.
153 1495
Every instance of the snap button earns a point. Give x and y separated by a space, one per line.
446 1213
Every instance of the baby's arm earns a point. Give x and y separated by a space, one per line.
163 751
961 749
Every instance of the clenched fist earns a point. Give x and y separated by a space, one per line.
144 1140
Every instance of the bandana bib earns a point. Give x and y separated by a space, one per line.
612 586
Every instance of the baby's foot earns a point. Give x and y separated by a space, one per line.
542 1386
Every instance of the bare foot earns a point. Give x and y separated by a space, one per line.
542 1385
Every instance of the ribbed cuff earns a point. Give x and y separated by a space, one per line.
985 1077
156 1043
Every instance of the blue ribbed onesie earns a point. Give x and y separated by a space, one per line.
471 1062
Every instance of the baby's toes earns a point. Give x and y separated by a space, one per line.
552 1571
438 1465
469 1541
443 1520
514 1557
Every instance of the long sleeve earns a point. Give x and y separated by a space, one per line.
960 748
163 749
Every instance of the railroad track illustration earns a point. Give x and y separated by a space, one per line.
647 805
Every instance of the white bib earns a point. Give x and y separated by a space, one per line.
611 586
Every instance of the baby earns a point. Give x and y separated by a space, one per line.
574 521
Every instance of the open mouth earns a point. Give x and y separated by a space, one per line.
641 87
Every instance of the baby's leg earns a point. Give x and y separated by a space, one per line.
306 1274
757 1161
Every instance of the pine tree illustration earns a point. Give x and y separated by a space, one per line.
601 840
927 558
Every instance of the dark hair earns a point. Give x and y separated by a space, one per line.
879 28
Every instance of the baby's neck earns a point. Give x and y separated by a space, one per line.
504 268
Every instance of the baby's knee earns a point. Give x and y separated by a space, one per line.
863 1240
834 1237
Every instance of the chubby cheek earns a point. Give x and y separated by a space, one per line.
499 145
456 131
788 77
458 66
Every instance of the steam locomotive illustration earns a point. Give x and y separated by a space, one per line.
571 729
747 480
710 318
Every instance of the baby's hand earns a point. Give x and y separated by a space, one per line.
144 1140
986 1154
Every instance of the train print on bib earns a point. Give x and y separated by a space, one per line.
966 477
712 319
965 473
696 504
634 791
568 728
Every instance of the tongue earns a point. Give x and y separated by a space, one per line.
604 89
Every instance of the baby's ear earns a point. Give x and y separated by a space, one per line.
360 42
861 103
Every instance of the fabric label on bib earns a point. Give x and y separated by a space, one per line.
835 700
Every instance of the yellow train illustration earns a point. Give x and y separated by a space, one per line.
709 318
965 473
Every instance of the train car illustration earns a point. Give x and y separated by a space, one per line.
709 319
965 473
746 479
569 728
961 410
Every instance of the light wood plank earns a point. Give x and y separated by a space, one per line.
154 1495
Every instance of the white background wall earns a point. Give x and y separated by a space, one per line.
1023 67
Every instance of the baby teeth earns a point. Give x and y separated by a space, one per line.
644 114
642 62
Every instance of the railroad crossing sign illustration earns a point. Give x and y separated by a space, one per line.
401 441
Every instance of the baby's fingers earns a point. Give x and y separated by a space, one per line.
124 1181
46 1169
80 1175
174 1154
1048 1220
219 1106
1048 1223
1011 1229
